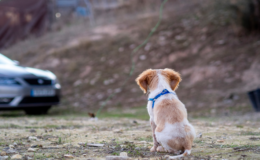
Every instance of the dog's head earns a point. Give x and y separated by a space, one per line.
151 78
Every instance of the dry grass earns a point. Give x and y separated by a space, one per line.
222 138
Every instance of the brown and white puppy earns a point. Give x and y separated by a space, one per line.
172 131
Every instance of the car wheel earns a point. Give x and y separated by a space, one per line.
37 110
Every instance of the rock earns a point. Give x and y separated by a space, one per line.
3 157
15 144
11 151
36 146
113 140
33 131
137 148
32 138
84 155
116 158
48 155
95 145
118 131
3 153
220 141
11 146
66 145
123 154
16 157
82 143
32 149
199 135
68 156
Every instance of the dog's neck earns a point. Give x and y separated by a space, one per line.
162 84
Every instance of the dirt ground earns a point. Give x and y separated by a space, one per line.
72 136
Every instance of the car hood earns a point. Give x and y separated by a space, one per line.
20 71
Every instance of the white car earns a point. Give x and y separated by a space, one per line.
30 89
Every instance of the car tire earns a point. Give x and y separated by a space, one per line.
37 110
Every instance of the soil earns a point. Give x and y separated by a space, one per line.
57 137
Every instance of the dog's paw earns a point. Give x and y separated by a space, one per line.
153 149
161 149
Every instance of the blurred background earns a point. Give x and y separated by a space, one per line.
87 44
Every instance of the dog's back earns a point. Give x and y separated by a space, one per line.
173 130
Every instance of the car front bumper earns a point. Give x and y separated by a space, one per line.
20 96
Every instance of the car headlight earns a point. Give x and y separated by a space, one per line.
56 83
8 81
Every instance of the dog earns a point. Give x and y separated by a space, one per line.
172 131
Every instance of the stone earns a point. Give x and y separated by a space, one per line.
220 141
16 157
116 158
48 155
11 151
137 148
32 149
68 156
81 143
3 153
118 131
123 154
11 146
95 145
3 157
32 138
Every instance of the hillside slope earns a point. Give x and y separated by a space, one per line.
217 65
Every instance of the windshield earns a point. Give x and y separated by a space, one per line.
5 60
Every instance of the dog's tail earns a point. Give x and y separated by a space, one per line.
186 152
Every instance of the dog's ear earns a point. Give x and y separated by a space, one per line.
174 78
143 81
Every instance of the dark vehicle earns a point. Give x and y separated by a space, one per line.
30 89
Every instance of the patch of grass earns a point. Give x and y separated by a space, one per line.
137 113
10 126
198 141
147 139
250 133
115 154
240 126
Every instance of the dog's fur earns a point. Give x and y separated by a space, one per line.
170 126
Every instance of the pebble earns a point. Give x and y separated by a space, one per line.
11 146
16 157
82 143
118 131
32 138
137 148
32 149
11 151
48 155
123 154
3 157
116 158
15 144
95 145
3 153
220 141
68 156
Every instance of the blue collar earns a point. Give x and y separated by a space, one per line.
165 91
